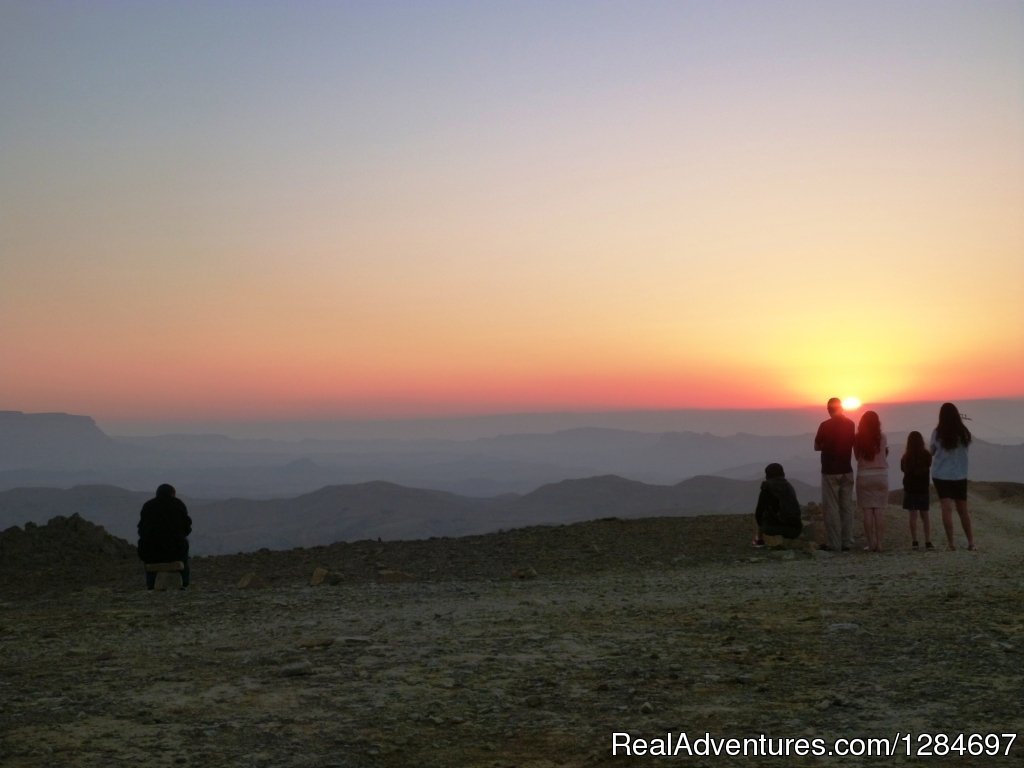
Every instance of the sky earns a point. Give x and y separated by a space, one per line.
315 210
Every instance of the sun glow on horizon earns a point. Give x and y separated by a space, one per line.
485 208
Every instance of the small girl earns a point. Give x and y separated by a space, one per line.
916 463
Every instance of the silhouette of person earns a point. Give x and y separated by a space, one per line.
871 451
834 440
949 443
916 465
778 511
164 526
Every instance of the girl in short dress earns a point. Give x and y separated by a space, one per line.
916 465
948 444
870 449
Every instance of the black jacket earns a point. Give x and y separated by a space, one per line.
916 469
778 511
164 526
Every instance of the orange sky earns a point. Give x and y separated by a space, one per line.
334 211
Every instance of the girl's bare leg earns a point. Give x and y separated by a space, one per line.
965 522
869 527
947 520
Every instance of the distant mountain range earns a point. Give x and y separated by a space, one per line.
60 450
387 511
996 420
249 494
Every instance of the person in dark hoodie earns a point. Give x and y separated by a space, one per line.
164 526
778 511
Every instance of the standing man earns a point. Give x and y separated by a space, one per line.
164 526
835 442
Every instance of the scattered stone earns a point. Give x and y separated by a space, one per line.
524 573
843 626
319 577
317 642
252 580
297 669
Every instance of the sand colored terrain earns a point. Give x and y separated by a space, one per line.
527 648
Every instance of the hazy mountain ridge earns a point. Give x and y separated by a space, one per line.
284 495
215 466
385 510
54 440
997 420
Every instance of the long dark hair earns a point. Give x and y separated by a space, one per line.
915 445
951 431
868 440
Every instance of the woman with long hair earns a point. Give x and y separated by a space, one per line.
916 465
948 444
871 450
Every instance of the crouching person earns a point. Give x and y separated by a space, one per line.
778 511
164 526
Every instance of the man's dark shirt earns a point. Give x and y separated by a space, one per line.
164 526
835 436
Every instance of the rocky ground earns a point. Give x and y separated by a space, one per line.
526 648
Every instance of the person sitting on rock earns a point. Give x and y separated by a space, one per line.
778 511
164 526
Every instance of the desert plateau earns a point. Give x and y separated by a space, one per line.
537 647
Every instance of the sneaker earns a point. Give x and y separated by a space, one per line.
929 545
826 548
758 543
914 544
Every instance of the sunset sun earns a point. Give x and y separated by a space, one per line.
851 403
